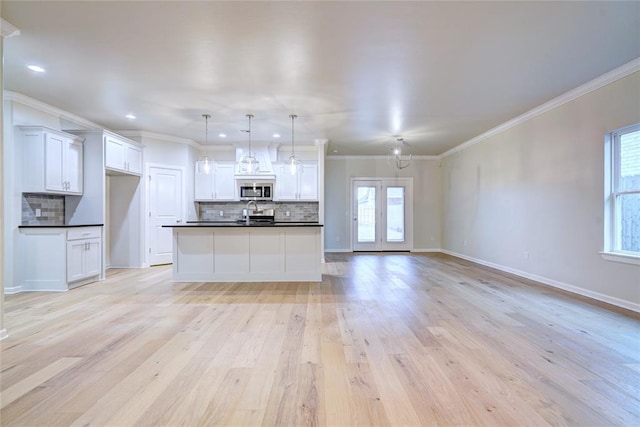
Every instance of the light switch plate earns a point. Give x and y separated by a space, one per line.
38 213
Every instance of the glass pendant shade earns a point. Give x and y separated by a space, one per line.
401 159
293 163
204 165
249 164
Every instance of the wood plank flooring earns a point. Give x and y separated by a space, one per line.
384 339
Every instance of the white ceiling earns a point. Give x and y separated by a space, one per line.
356 73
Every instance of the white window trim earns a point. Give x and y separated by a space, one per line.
621 257
611 237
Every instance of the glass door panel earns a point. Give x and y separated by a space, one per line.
395 214
366 214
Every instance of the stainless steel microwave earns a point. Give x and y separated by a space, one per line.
256 191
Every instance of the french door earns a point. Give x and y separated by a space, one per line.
382 212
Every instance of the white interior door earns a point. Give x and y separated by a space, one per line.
382 211
165 207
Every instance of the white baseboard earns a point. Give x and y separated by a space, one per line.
12 290
553 283
3 334
426 250
336 251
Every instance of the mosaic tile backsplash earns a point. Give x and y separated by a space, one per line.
298 211
51 209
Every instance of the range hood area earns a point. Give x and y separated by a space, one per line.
264 155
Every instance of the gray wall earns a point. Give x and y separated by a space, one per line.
531 198
426 198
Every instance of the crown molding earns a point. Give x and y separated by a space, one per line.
51 110
132 133
374 157
595 84
7 29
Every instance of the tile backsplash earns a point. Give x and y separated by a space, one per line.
298 211
51 209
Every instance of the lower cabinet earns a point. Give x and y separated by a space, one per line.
60 258
84 253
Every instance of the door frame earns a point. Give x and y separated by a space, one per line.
384 182
147 202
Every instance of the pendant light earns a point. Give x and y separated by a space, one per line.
293 162
205 165
249 164
399 154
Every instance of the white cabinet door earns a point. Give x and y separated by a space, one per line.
133 159
286 184
92 261
308 182
75 257
224 181
122 156
54 148
203 184
73 168
114 153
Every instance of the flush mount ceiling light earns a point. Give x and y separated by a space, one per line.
36 68
249 164
293 162
130 116
399 154
276 135
204 165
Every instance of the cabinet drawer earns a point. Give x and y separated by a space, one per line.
84 233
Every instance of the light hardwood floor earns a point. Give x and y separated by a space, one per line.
394 339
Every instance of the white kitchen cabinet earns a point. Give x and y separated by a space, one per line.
121 155
217 185
84 253
224 184
300 186
52 161
60 258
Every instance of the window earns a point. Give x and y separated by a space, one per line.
622 212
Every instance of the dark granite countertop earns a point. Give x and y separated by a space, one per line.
59 226
196 224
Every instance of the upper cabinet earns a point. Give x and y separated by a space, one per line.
122 155
52 161
218 184
302 186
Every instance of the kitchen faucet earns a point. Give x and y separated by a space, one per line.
249 204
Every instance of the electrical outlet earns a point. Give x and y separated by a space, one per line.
526 254
221 213
465 243
38 213
287 213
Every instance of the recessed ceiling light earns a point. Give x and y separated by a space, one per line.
130 116
36 68
222 135
276 135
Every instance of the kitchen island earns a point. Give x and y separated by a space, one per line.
241 252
